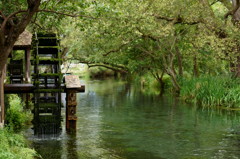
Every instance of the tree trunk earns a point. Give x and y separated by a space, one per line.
174 80
179 59
1 100
9 33
162 86
195 67
159 78
2 107
235 11
170 70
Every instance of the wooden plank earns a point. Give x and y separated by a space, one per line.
29 88
72 81
18 88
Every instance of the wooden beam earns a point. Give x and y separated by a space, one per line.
27 65
29 88
18 88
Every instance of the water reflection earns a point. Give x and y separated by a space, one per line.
118 121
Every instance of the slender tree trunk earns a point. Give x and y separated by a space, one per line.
179 59
2 107
1 100
162 84
174 80
195 67
159 78
170 70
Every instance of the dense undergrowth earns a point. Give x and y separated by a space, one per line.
16 116
212 91
13 144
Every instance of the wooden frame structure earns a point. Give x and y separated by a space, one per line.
43 83
23 43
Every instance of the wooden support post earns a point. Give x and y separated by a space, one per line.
71 107
27 65
27 74
72 86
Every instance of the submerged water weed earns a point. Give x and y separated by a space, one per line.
212 91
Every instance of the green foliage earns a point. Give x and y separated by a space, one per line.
146 36
212 91
150 85
13 146
18 55
100 72
16 117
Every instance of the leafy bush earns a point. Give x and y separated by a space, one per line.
212 91
16 117
13 146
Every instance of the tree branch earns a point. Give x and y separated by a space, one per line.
226 3
214 2
10 16
177 20
234 10
108 67
66 14
118 49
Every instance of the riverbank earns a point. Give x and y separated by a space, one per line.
13 144
218 91
208 91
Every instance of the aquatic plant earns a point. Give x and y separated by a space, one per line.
212 91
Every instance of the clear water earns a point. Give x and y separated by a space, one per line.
118 121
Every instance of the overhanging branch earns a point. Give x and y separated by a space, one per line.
65 14
119 48
109 67
234 10
177 20
9 17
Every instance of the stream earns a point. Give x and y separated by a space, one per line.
117 120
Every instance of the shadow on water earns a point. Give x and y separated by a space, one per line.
48 148
118 121
72 147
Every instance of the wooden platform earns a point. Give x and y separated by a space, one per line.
18 88
29 88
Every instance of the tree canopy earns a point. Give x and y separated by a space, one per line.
134 36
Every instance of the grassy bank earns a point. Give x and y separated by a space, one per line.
13 145
212 91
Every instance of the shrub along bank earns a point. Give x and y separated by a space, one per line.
13 145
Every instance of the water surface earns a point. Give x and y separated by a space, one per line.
118 121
